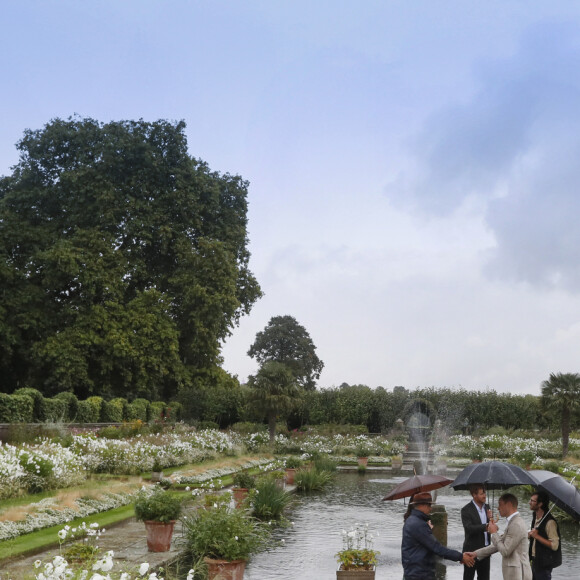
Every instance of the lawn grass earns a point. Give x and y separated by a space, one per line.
47 538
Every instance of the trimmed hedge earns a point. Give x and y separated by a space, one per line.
16 408
55 410
139 409
38 414
72 404
114 411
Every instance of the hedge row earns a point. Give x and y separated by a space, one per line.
30 406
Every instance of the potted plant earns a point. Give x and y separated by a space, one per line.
362 451
212 500
396 462
158 510
357 560
156 471
225 539
477 453
243 482
292 464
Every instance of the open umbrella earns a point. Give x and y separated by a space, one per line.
561 492
492 475
416 484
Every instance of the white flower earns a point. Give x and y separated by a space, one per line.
37 563
125 576
143 568
190 574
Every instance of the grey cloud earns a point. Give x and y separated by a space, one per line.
516 147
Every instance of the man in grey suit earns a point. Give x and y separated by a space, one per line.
513 545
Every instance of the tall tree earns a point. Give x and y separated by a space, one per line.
273 392
561 393
123 260
287 342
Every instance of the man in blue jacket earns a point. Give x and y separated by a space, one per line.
419 547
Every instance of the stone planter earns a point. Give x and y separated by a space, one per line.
397 463
159 535
156 476
240 495
290 471
363 461
225 569
355 574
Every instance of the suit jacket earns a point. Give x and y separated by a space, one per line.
474 529
513 546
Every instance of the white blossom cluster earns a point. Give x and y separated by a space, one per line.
211 474
44 465
336 444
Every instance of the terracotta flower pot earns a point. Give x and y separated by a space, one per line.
225 569
240 495
355 574
290 471
159 535
363 461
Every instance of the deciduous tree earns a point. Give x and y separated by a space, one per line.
287 342
123 260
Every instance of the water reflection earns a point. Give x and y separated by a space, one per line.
310 544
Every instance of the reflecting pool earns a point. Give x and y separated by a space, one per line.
318 520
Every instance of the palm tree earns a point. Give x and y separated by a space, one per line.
274 391
561 392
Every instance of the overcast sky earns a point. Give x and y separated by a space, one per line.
414 166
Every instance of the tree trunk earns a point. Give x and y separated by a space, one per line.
565 430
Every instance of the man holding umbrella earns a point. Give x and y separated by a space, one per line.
545 549
419 547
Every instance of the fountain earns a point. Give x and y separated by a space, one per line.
419 429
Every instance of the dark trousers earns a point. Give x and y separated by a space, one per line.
481 567
541 573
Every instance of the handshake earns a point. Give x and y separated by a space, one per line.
468 559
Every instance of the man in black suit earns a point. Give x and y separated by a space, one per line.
475 517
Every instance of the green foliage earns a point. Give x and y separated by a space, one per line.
124 260
223 534
357 552
294 462
270 501
87 412
38 414
287 342
561 396
160 506
55 410
158 410
311 479
323 462
72 404
114 411
247 427
96 404
244 480
16 408
138 410
273 392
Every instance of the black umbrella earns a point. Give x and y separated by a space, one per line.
492 475
562 493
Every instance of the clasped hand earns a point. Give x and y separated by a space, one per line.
468 559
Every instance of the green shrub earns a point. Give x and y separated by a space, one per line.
97 404
72 404
114 411
158 411
293 462
201 425
87 412
160 506
269 501
244 480
55 410
138 409
37 397
311 479
174 411
223 534
247 428
325 463
16 408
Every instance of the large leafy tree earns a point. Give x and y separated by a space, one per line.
123 260
274 393
561 393
287 342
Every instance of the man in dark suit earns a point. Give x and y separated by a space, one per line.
475 518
